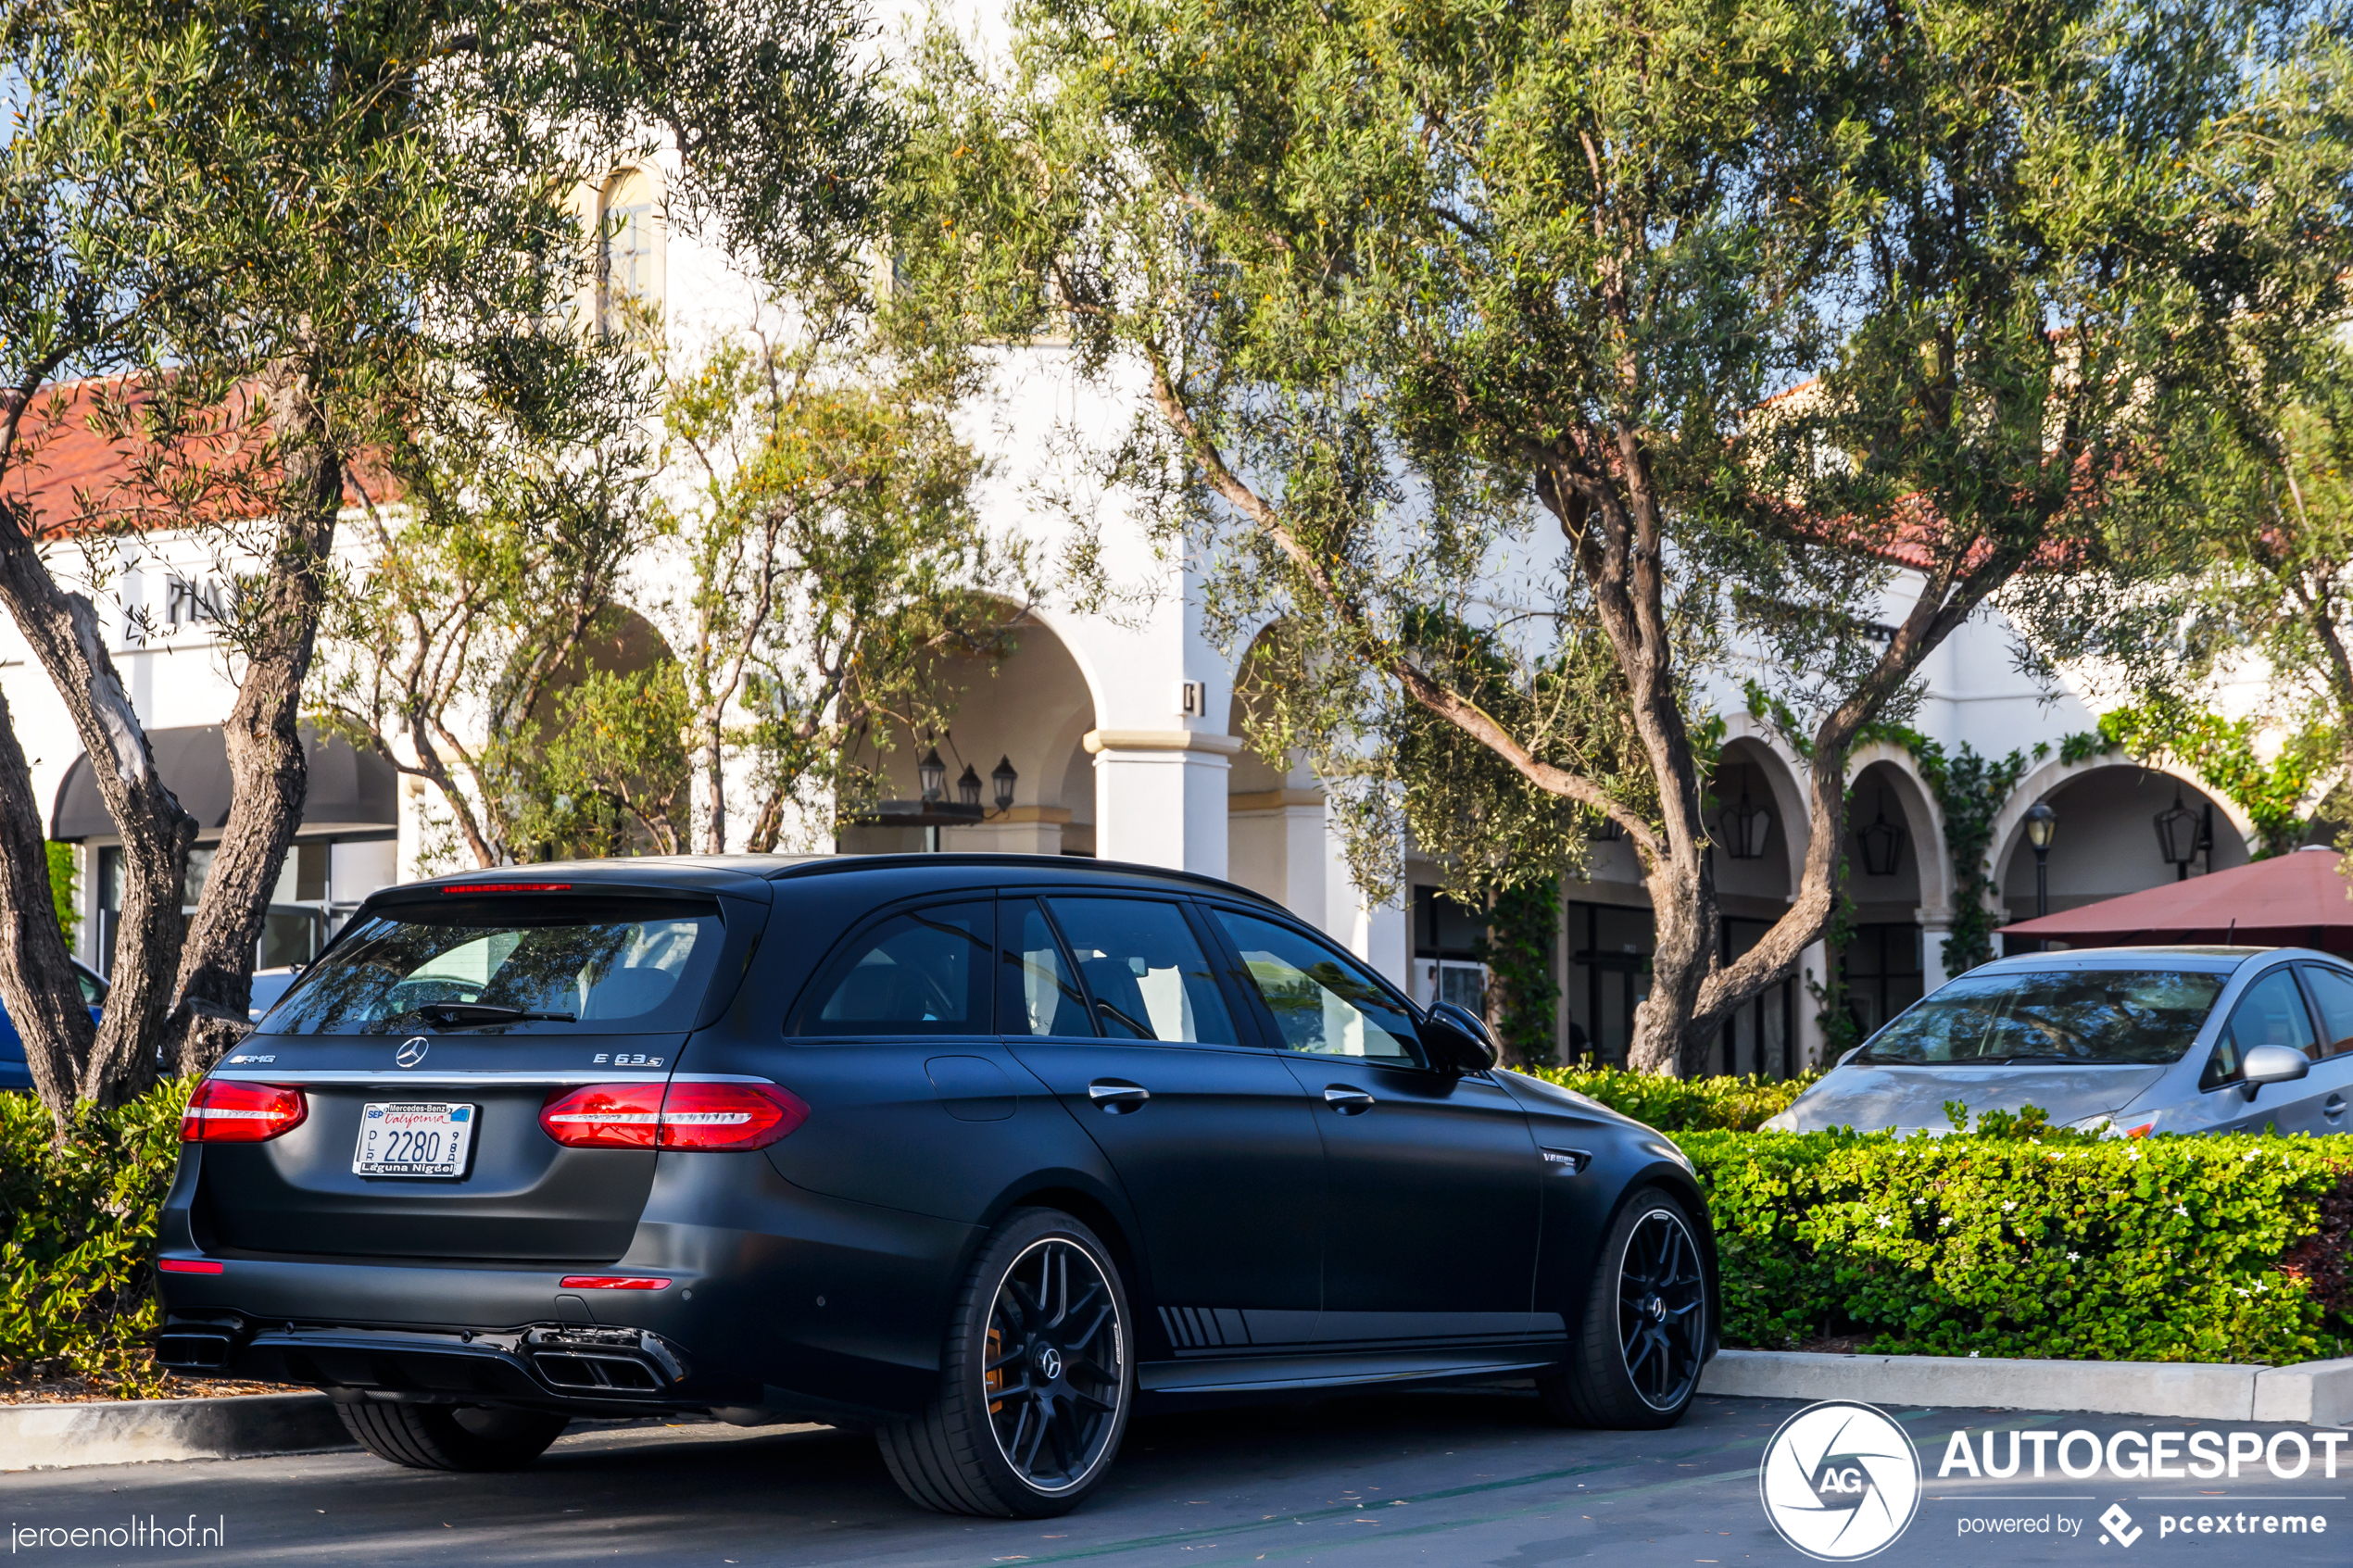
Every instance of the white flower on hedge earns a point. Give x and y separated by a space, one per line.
2181 1210
2010 1205
2075 1257
1945 1220
1883 1219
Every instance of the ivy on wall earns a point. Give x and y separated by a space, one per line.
1516 947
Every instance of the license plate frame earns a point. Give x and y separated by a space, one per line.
411 1127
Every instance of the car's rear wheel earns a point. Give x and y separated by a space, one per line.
1036 1379
1644 1337
450 1436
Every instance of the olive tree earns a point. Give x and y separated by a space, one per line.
1544 365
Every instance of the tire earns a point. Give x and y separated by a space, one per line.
451 1437
1044 1303
1637 1361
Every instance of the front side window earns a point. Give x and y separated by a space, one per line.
1320 1004
922 972
539 964
2271 1013
1144 971
2106 1016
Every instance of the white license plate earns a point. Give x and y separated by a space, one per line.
413 1138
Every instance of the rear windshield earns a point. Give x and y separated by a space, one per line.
532 964
2123 1016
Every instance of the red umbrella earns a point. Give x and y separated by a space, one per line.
2299 901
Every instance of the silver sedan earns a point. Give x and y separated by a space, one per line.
2133 1040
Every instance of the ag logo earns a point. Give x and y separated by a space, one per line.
412 1051
1840 1481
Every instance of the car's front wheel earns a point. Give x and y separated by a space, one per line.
1644 1337
450 1436
1036 1378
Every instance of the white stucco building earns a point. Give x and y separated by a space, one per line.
1120 732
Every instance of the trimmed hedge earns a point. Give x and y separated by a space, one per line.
2161 1249
77 1284
1680 1105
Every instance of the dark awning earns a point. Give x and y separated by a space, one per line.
2296 900
351 794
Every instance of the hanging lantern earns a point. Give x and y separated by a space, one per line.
1746 827
934 774
968 787
1882 843
2177 834
1004 778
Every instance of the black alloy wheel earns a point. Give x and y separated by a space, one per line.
1644 1338
1035 1384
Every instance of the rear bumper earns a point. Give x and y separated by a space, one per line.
779 1300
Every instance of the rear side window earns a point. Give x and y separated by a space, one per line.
2333 994
922 973
535 965
1144 971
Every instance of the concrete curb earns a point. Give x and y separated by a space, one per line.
139 1431
2318 1393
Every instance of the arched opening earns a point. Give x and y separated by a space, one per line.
1756 856
2106 840
1018 726
1884 965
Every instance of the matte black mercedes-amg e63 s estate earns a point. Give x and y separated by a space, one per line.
976 1152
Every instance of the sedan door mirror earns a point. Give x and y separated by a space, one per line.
1458 1041
2271 1064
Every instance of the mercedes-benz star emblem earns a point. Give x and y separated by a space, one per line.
1050 1361
412 1051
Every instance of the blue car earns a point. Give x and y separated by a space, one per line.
14 1074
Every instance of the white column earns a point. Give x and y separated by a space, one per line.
1275 845
1813 964
1160 796
1935 926
1377 933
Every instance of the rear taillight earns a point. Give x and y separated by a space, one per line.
729 1115
688 1116
603 1115
224 1110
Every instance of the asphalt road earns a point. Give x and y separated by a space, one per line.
1430 1478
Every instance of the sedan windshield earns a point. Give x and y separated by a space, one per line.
534 965
2123 1016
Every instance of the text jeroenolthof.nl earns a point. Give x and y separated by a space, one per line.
150 1533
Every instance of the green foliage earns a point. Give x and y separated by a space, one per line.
1517 946
2222 753
611 775
77 1282
2083 746
1682 1105
65 887
2012 1244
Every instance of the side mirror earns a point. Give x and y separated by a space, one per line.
2271 1064
1459 1041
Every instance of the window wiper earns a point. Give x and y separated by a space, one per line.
470 1015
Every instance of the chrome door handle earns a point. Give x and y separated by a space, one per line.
1117 1095
1348 1101
2332 1106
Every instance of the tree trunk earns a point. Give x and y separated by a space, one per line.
269 775
64 632
36 980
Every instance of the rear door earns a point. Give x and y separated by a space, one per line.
1433 1183
1212 1141
449 1013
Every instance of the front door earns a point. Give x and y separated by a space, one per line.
1214 1142
1432 1185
